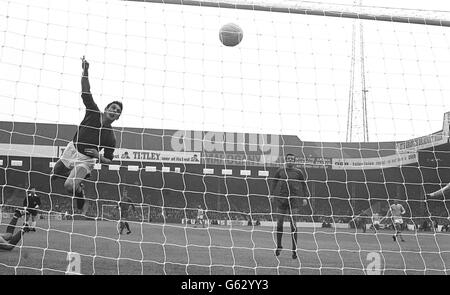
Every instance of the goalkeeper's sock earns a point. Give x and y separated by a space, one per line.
17 213
294 241
16 238
85 209
127 226
277 251
33 224
79 195
12 225
279 238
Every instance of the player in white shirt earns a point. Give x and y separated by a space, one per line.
201 216
396 211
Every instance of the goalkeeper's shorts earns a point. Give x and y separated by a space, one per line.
32 212
72 158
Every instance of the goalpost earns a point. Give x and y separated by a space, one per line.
357 93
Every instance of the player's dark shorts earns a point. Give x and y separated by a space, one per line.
32 212
288 206
124 215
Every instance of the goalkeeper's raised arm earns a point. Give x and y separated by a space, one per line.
85 85
445 191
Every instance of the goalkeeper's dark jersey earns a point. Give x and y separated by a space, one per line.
91 134
31 201
291 182
291 187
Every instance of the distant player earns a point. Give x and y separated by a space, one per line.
200 216
31 203
163 214
124 210
94 134
376 221
361 220
9 240
396 211
292 189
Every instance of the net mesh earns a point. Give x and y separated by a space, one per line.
207 126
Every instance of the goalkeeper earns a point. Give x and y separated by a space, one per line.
94 134
292 188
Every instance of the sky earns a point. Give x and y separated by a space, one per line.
289 75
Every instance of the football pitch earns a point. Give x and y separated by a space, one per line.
176 249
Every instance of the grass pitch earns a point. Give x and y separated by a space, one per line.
175 249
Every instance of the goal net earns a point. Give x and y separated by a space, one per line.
325 115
